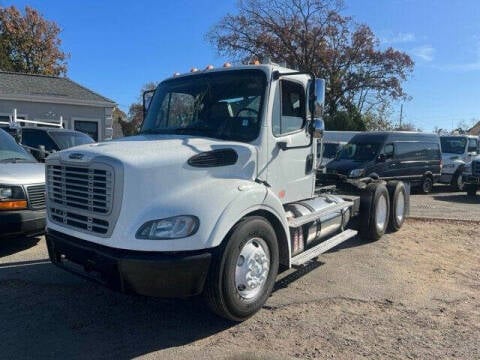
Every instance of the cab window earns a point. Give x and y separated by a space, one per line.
292 117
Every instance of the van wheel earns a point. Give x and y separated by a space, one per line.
374 211
471 189
458 182
242 276
427 185
398 204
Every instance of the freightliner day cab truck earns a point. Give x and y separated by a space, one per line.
216 194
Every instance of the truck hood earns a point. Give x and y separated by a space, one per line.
22 173
167 153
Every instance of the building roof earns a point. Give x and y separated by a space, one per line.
475 130
43 88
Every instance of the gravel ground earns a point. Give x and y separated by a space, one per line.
412 294
445 205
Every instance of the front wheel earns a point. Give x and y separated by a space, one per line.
242 276
458 182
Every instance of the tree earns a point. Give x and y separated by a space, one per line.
312 35
29 43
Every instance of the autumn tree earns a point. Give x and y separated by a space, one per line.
29 43
313 36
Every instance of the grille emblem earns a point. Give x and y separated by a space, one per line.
75 156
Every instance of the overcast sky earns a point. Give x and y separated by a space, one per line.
117 46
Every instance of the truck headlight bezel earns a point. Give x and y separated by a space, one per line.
355 173
176 227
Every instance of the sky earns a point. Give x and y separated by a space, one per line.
117 46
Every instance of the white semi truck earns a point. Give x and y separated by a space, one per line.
215 196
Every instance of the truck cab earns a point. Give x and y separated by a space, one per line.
457 150
214 196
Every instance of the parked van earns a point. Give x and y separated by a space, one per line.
410 156
457 150
22 190
42 141
332 142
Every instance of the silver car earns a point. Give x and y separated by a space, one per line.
22 190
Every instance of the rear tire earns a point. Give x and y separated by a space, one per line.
242 275
471 189
398 204
427 185
374 211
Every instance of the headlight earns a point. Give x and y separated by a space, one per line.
171 228
12 197
356 173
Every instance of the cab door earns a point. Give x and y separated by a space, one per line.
290 172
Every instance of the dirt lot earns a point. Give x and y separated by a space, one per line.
413 294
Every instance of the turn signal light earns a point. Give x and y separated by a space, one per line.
13 205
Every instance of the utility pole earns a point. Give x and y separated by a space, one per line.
401 115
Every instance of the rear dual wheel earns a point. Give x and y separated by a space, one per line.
374 211
398 204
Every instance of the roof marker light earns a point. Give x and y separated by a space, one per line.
227 65
176 74
194 69
209 67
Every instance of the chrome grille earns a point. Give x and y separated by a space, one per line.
36 196
81 197
81 188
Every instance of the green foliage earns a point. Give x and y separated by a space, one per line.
345 120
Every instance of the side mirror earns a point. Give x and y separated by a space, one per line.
381 158
316 102
147 99
42 154
318 127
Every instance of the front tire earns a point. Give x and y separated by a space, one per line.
374 211
458 182
243 274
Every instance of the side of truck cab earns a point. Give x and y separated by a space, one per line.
215 196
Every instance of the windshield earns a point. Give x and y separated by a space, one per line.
65 140
330 150
453 144
224 105
359 151
10 151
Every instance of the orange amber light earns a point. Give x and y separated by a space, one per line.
13 205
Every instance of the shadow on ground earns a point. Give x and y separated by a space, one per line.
48 313
11 246
460 198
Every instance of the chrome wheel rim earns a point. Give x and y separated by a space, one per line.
460 183
400 207
252 268
381 213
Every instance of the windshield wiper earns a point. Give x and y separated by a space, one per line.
15 159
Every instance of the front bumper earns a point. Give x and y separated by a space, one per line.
470 179
22 222
179 274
